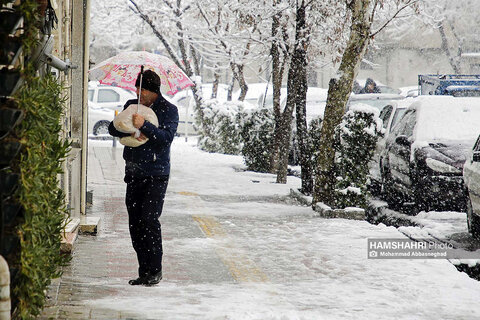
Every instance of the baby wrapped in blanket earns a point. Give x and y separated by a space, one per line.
123 123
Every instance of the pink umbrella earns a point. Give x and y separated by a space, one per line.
122 71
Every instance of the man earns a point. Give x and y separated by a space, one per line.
370 87
147 169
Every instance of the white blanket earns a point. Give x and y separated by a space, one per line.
123 123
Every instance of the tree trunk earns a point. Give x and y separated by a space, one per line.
302 131
297 94
216 77
277 77
196 62
230 89
446 49
299 65
242 83
460 46
339 90
277 85
284 132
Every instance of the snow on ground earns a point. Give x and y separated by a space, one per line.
440 224
216 174
310 268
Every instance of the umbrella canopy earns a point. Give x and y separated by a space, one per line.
122 71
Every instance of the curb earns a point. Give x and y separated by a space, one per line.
300 197
377 213
350 213
325 211
69 236
89 225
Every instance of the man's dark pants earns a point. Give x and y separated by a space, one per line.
144 200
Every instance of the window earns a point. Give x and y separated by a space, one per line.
90 95
385 115
183 102
409 124
108 95
402 128
477 145
396 117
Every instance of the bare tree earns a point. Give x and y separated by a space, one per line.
178 13
280 56
228 37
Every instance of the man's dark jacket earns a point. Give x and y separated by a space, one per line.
153 157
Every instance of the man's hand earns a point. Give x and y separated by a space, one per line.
141 138
138 120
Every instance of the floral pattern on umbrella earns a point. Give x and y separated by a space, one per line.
122 71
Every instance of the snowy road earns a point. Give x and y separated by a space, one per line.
236 247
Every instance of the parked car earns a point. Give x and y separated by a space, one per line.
424 155
471 176
381 87
377 100
99 119
390 116
108 96
409 91
255 93
103 100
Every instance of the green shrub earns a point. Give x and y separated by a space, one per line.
39 165
257 135
43 201
314 136
356 139
221 126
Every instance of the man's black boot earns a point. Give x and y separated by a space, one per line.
138 281
153 279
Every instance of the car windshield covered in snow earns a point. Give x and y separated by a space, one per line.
377 100
447 118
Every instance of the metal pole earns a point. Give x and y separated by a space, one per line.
115 138
186 117
140 90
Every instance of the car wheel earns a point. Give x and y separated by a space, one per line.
473 221
101 127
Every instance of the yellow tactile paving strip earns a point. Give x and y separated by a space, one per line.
188 193
241 267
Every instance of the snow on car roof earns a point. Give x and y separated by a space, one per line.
447 118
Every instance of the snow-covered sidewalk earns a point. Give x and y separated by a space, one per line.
237 247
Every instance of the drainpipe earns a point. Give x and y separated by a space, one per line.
86 65
5 304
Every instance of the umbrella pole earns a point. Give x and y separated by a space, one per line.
140 89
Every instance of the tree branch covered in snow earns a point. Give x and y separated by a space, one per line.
164 41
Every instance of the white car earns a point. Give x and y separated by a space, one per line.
382 87
377 100
183 101
99 119
109 97
409 91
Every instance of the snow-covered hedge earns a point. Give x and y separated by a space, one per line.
221 127
314 129
236 128
257 135
356 139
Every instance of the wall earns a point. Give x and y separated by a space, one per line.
70 39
